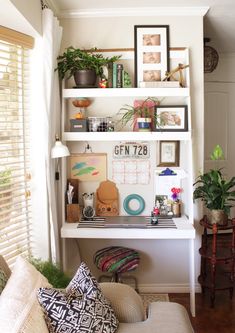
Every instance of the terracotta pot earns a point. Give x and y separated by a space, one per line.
218 216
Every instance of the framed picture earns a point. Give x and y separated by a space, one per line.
151 53
88 167
172 118
169 153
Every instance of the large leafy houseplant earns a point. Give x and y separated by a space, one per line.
75 59
217 193
143 110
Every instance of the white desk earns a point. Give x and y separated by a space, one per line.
184 230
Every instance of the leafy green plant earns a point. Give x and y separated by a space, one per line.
52 272
213 189
142 110
74 59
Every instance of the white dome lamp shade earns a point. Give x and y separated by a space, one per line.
59 150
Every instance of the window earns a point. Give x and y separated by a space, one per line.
15 202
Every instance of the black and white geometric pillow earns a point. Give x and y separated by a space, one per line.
75 311
85 283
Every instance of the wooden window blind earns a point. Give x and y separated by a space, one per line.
15 201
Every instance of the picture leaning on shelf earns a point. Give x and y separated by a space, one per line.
172 118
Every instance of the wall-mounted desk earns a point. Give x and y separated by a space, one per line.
183 230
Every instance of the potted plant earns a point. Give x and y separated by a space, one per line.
84 65
141 114
216 191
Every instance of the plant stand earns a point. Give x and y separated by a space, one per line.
217 260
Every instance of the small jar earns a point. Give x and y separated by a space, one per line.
110 126
176 209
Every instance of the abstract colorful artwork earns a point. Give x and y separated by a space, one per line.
88 167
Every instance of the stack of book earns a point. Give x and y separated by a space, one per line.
117 76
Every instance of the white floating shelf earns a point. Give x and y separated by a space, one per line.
125 92
184 230
126 136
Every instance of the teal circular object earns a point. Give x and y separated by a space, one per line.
140 201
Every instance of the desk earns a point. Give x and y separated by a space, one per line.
183 230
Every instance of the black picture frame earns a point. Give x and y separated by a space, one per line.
172 118
152 61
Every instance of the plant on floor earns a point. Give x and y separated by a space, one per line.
74 60
217 193
56 277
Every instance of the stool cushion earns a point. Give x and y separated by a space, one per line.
116 259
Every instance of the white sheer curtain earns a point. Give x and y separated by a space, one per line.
52 34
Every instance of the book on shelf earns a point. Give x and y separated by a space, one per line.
114 75
159 84
119 75
110 75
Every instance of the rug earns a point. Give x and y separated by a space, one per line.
149 298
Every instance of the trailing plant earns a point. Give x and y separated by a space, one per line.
213 188
56 277
75 59
143 109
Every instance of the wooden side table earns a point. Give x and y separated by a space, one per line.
217 259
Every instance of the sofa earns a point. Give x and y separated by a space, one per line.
20 311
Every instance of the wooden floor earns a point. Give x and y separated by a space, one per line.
221 319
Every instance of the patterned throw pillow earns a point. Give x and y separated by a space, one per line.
3 280
82 308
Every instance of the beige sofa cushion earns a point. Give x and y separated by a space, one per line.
125 302
20 311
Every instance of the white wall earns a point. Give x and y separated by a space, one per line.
118 32
22 15
31 10
225 70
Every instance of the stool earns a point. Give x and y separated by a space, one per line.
117 260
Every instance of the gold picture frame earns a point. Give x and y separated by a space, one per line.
169 153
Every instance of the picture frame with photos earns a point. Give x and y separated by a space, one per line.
169 153
151 53
172 118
